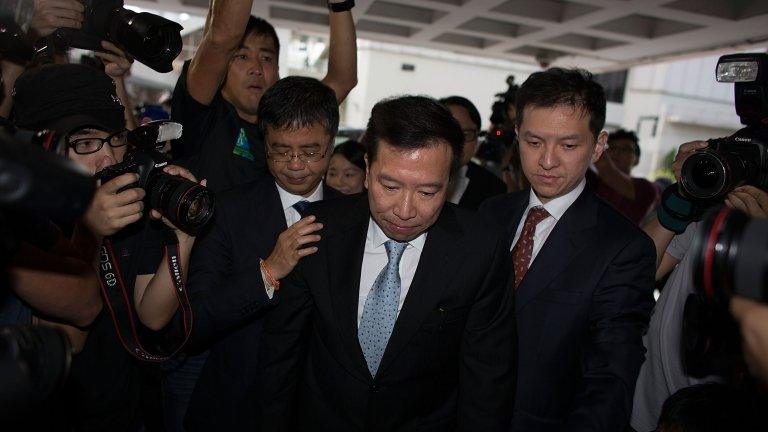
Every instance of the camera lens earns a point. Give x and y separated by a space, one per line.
152 39
730 255
186 204
705 175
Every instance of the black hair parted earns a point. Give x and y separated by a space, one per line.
410 123
465 103
563 87
261 27
352 151
298 102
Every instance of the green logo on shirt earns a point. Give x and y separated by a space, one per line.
243 146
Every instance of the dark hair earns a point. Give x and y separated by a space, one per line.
261 27
298 102
465 103
413 122
623 134
570 87
352 151
711 407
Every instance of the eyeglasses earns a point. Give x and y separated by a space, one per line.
288 156
84 146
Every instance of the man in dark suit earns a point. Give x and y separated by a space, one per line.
584 273
473 184
402 321
258 226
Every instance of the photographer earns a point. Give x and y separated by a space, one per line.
81 104
664 371
217 95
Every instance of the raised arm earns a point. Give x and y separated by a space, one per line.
224 28
342 59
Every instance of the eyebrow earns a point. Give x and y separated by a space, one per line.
436 185
529 134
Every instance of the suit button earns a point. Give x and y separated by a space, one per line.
374 388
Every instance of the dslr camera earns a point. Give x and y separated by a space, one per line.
150 39
742 158
186 204
729 251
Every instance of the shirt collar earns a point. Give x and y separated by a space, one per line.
288 199
558 206
376 237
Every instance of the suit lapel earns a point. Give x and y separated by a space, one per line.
269 211
514 213
567 239
433 274
345 259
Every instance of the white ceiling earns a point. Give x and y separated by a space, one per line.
596 34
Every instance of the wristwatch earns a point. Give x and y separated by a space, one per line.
341 7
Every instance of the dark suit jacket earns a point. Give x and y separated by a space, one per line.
581 311
483 184
228 300
452 345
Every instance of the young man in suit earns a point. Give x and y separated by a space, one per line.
473 184
583 272
257 237
402 320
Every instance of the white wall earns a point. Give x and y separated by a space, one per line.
380 75
686 101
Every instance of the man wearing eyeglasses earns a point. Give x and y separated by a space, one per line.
81 105
257 238
473 184
634 197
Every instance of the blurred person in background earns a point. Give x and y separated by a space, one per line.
473 184
634 197
346 173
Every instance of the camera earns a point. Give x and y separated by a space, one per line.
151 39
186 204
502 133
742 158
729 259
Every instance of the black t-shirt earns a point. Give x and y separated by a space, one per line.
216 143
102 391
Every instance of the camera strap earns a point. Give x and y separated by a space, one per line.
118 297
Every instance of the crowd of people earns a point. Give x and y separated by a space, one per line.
390 284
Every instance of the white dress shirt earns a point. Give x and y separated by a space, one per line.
556 209
291 217
460 184
375 259
288 199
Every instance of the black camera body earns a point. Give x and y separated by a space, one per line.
151 39
742 158
727 163
188 205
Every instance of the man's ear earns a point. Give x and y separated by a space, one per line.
367 171
600 146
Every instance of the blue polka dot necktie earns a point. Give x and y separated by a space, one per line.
380 310
301 206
